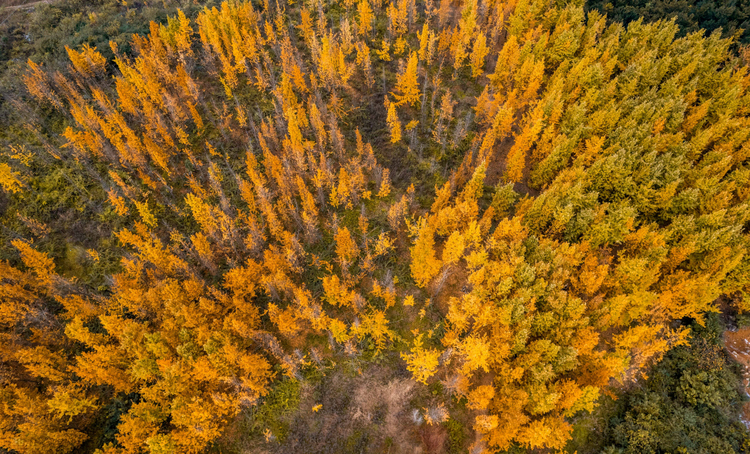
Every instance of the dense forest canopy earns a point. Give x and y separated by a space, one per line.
519 205
731 16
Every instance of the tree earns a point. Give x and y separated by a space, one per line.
421 362
681 395
478 53
365 17
407 85
346 248
424 264
516 161
10 181
691 17
394 123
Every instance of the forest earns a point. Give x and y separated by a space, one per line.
374 226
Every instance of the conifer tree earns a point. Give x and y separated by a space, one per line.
394 123
407 86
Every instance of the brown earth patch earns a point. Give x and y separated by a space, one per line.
738 344
368 412
433 438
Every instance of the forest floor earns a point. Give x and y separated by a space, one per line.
361 412
364 408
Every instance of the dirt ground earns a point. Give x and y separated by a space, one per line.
368 412
375 410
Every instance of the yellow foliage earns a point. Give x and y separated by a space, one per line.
346 247
424 264
40 263
394 123
478 53
146 215
365 17
407 86
10 181
421 362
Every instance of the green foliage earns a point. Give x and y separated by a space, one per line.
504 199
107 420
273 413
456 436
690 403
731 16
356 442
43 33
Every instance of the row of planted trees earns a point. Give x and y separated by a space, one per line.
257 215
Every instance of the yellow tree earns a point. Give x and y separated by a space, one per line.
365 17
407 86
421 362
10 181
346 248
516 161
424 264
478 53
394 124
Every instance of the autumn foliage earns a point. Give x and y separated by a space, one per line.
595 193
